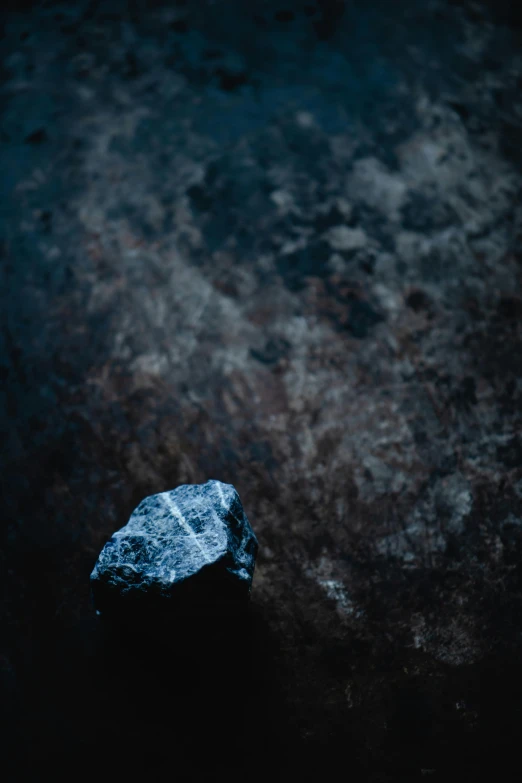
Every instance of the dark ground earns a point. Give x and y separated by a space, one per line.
276 244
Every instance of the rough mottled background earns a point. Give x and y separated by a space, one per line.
277 244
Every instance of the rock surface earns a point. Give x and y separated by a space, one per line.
194 542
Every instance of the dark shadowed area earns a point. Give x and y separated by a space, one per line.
276 244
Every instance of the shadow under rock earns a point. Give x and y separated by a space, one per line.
193 695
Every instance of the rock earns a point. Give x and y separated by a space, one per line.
191 547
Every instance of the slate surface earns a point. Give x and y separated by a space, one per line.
277 244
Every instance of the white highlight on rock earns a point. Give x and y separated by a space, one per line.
221 495
174 510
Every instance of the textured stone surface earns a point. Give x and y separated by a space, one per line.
195 536
278 243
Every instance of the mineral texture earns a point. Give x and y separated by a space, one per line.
190 546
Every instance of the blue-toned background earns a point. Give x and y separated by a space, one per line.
276 244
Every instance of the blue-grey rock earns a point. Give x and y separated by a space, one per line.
190 546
